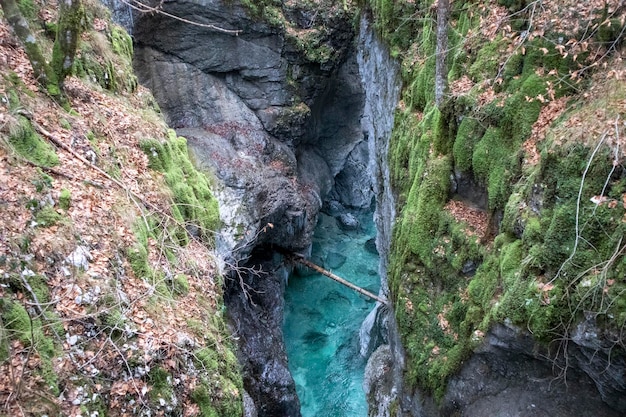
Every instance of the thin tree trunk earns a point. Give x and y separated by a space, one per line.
69 27
21 28
443 11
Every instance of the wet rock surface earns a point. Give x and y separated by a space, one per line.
256 305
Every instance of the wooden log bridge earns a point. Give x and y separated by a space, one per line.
317 268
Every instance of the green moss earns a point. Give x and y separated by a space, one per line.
47 216
486 64
121 42
469 134
423 86
180 285
70 26
538 242
484 284
221 397
28 8
420 220
202 397
190 188
37 283
445 128
114 319
543 52
65 124
107 61
30 331
65 199
492 162
161 384
42 182
31 146
138 254
611 32
522 109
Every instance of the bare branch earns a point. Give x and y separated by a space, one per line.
144 8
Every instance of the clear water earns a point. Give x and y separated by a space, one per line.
323 318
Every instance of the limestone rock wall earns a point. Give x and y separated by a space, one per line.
273 114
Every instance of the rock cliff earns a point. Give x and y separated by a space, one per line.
506 263
286 113
272 108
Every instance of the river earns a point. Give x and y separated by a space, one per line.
322 321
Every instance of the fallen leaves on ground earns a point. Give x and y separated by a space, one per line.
475 218
115 325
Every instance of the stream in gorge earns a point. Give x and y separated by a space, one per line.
323 318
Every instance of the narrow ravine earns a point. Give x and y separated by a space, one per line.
322 320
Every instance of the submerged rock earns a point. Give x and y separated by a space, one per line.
348 221
334 260
370 246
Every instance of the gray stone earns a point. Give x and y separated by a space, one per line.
347 221
512 375
249 408
373 331
353 184
378 382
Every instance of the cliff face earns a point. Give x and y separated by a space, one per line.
271 106
506 261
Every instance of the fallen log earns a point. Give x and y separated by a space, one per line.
334 277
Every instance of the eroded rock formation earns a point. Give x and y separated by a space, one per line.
286 127
277 123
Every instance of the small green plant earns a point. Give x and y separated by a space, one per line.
194 201
180 285
65 199
47 216
43 182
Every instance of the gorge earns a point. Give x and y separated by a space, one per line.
163 164
294 114
284 135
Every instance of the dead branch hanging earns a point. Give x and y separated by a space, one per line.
144 8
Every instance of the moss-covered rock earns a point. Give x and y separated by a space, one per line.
548 259
191 192
29 144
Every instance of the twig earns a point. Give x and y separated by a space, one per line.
144 8
580 192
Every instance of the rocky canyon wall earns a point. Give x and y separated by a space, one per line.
290 116
271 109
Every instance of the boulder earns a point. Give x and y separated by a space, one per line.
347 221
334 260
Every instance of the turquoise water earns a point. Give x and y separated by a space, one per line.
322 321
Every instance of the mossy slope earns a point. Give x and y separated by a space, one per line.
548 254
110 299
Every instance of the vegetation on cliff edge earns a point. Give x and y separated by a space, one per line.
533 121
110 300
